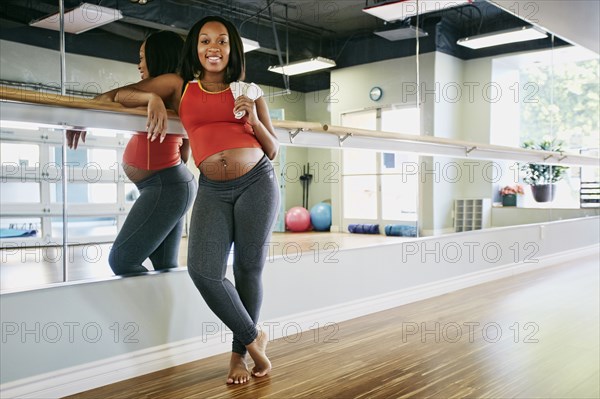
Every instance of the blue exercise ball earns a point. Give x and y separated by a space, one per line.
320 216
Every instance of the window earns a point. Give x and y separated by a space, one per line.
565 105
31 186
401 120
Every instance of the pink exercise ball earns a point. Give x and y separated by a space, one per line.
297 219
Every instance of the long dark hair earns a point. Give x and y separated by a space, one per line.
190 64
163 51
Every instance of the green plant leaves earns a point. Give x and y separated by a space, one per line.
535 173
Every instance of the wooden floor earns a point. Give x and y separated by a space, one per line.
535 335
37 266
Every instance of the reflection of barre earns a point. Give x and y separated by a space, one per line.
561 158
547 157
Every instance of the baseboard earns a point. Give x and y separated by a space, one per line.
95 374
92 375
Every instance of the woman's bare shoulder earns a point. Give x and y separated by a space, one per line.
167 86
168 79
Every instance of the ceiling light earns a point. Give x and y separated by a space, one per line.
250 45
502 37
80 19
402 9
298 67
401 33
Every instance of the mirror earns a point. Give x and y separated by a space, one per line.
495 99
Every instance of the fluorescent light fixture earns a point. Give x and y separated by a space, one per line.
502 37
250 45
399 10
298 67
402 33
80 19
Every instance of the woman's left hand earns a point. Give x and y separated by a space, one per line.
243 103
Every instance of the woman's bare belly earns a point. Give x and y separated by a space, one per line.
136 174
230 164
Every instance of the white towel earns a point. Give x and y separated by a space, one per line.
250 90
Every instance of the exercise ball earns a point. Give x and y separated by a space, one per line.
297 219
320 216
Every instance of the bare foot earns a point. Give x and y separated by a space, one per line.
257 350
238 370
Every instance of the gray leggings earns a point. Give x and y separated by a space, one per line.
239 211
153 226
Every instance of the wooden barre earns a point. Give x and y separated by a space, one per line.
55 99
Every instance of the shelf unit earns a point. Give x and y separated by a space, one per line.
589 194
472 214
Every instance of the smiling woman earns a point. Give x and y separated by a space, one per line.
233 155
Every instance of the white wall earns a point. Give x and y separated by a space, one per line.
318 106
31 64
296 159
505 106
350 86
448 83
475 110
326 175
514 216
292 103
475 126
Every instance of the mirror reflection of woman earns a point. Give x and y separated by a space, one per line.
167 188
238 194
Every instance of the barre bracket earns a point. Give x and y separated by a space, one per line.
293 134
344 138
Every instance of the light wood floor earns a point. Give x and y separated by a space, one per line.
535 335
37 266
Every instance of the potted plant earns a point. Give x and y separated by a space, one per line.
542 177
509 194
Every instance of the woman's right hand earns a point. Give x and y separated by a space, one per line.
153 93
157 118
73 137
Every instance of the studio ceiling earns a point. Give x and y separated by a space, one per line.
338 30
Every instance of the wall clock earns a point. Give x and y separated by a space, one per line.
375 93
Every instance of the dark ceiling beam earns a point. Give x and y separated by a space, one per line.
246 10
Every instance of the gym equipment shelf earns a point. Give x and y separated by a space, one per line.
471 214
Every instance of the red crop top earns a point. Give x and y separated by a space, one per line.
153 155
210 123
